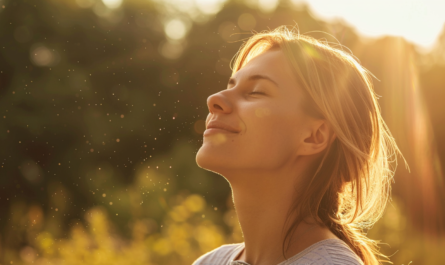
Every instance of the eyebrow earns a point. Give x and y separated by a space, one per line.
254 78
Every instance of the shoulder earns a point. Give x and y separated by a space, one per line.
220 255
326 252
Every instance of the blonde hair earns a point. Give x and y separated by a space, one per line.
348 189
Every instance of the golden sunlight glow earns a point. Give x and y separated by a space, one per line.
175 29
407 115
217 138
419 21
112 3
209 6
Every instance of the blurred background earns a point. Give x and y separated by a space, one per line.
102 109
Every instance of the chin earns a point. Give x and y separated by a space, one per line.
205 159
209 159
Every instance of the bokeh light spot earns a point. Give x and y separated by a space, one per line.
175 29
194 203
209 7
199 126
267 5
42 56
28 254
246 21
112 3
227 30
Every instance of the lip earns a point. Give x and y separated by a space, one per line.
219 127
216 130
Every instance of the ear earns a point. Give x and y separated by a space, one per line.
319 136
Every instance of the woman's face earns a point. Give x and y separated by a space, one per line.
260 118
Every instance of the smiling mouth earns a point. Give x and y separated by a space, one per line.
210 131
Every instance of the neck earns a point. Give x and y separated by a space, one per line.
262 203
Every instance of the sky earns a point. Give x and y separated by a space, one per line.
419 21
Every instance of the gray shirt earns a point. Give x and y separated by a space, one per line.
326 252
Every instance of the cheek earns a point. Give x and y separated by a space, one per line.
271 133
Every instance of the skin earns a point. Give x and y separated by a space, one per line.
275 142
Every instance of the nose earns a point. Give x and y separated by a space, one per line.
218 103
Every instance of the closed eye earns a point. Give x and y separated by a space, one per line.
256 92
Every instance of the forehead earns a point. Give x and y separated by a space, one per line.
272 63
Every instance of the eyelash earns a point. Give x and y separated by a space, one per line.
256 92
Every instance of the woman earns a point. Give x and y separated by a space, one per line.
299 136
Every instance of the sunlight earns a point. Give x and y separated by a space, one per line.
105 108
267 5
407 116
419 21
175 29
112 3
209 6
217 138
